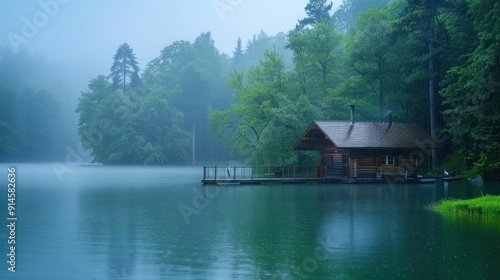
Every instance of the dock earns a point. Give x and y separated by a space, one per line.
221 175
263 174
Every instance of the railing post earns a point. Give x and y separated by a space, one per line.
234 175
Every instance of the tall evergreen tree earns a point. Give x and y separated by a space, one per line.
316 10
472 94
125 69
237 55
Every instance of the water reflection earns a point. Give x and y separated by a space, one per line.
257 232
125 223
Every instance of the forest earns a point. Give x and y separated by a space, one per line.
433 62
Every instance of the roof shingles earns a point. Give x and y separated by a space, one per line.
373 134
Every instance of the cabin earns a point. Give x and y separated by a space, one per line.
366 151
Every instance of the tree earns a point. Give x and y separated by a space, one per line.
237 55
472 94
259 44
125 69
317 11
418 24
7 117
347 13
267 117
368 52
316 59
126 128
159 124
198 72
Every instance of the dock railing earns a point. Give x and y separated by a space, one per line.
249 174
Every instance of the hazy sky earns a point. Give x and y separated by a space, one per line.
89 32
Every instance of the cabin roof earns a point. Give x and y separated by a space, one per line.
341 134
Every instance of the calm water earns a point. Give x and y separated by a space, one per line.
161 223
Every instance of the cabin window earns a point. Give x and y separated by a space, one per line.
386 160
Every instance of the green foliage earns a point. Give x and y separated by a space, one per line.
487 206
28 126
198 73
7 140
266 119
394 57
256 47
455 162
316 59
317 11
347 13
125 128
36 108
472 92
369 53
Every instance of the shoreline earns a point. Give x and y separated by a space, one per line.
484 206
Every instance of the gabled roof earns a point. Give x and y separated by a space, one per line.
341 134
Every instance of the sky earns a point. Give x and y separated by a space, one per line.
87 33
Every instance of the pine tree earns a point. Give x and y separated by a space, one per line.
238 54
125 69
316 10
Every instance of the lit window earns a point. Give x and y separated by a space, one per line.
386 160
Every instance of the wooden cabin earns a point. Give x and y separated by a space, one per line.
366 150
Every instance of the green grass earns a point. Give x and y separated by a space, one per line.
485 206
452 162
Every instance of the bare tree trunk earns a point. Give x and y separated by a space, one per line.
193 144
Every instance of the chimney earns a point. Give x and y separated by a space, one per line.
352 114
389 115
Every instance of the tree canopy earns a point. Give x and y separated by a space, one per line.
431 62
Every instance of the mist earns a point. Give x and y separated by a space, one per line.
162 83
88 32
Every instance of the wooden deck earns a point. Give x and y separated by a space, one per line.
284 175
263 174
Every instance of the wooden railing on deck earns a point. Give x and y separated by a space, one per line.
216 174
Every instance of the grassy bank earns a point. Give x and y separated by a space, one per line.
486 206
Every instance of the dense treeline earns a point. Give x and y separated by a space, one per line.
37 119
160 115
435 62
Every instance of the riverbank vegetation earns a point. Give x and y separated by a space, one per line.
486 206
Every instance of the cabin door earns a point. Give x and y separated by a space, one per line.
334 166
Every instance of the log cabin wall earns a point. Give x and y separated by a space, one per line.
368 163
366 150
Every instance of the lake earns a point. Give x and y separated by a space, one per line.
100 222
